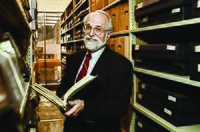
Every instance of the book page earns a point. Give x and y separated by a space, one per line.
72 91
49 92
78 86
48 95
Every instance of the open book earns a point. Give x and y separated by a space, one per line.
82 84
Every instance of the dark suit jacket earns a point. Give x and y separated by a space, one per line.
103 111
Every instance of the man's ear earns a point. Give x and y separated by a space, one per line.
109 34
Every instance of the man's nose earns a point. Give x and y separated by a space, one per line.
92 33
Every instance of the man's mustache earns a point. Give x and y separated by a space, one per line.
94 38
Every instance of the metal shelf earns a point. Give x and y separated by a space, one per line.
178 24
172 77
164 123
112 4
120 33
185 31
83 3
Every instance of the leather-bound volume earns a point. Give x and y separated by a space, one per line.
164 11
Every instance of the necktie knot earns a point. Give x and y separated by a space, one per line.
88 56
85 66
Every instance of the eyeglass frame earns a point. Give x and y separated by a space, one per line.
93 28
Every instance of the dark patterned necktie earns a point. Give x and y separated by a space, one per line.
85 66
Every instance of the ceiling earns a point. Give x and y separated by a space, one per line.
52 9
52 5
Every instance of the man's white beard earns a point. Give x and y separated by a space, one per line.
96 45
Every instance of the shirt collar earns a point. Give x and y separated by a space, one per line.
97 53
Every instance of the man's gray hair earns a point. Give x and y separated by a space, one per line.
110 24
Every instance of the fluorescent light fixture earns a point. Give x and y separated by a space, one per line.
53 18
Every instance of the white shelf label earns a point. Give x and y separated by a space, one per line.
171 47
139 5
145 19
140 124
140 96
137 47
198 68
171 98
176 10
198 3
197 48
167 111
143 86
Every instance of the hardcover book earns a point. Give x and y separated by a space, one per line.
75 89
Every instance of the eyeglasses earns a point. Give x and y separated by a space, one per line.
97 30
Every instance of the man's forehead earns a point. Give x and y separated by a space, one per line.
98 18
99 14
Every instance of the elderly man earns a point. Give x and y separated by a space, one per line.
101 112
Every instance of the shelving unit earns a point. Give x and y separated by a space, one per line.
15 21
185 31
17 26
71 28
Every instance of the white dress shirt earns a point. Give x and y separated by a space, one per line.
92 62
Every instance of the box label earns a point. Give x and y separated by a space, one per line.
145 19
198 68
176 10
137 47
197 48
171 47
140 96
167 111
140 124
143 86
171 98
198 3
140 5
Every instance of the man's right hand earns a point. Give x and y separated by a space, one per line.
77 107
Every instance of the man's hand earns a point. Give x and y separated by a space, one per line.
77 107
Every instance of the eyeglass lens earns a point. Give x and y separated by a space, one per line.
96 30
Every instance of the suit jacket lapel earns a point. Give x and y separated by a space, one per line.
102 62
77 62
